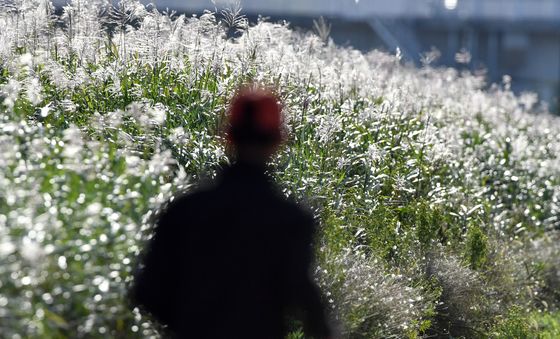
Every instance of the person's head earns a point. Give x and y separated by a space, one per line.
254 129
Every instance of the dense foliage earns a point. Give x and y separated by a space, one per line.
437 195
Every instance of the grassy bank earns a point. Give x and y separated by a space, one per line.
436 194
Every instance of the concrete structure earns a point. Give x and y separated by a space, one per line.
512 10
520 38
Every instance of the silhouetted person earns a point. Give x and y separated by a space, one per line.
232 260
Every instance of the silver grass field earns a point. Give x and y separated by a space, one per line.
436 194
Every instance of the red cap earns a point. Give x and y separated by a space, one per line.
254 118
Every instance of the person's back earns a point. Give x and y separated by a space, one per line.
231 260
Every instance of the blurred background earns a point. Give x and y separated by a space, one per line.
520 38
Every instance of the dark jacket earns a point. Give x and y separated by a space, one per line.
231 260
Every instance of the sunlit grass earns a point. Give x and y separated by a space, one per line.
436 196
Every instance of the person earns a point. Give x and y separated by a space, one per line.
233 259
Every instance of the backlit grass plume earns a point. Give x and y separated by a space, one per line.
425 182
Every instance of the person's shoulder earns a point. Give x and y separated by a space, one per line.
300 213
181 199
182 202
